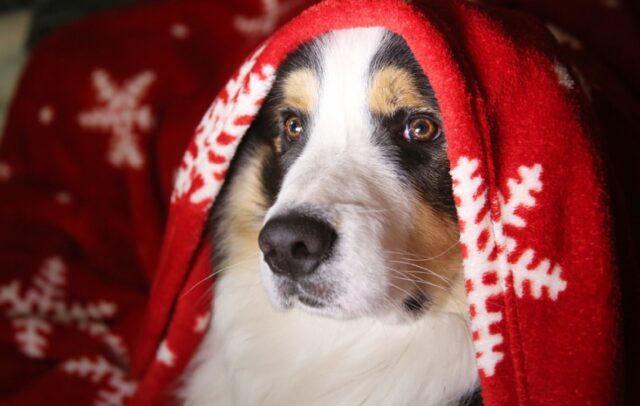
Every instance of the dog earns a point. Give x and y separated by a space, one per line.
335 242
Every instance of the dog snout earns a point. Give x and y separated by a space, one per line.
295 244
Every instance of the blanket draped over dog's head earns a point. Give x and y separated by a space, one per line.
530 202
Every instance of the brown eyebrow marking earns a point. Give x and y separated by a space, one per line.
393 88
299 90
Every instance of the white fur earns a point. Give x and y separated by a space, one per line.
268 349
343 174
255 355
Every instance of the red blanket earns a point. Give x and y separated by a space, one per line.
102 250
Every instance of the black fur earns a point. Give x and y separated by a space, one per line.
474 399
416 303
274 113
262 133
424 164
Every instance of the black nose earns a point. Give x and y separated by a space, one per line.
295 244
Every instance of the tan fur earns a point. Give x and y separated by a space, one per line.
300 89
433 263
256 353
277 145
246 209
393 88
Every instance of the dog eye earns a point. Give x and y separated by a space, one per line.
293 128
421 129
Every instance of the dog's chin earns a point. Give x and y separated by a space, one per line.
286 294
308 304
320 299
313 296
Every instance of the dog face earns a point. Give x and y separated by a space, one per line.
346 168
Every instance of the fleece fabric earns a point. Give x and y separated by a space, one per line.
104 252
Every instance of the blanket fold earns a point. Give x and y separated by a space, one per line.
529 199
105 188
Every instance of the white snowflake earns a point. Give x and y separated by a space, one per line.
35 309
564 77
63 198
122 115
165 355
202 323
179 31
116 389
488 251
265 24
5 171
202 171
564 37
46 115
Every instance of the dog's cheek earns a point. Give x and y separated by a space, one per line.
271 176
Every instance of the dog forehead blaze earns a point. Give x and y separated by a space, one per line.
329 215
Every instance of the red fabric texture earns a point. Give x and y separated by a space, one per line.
110 236
81 229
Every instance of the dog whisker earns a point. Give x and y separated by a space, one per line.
421 274
213 274
368 211
450 282
418 281
399 288
429 271
322 214
416 257
356 208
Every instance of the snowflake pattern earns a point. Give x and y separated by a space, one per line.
489 254
165 355
122 115
563 37
5 171
179 31
206 161
35 309
115 387
46 115
564 77
266 23
202 323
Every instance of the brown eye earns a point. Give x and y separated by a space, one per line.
293 128
421 129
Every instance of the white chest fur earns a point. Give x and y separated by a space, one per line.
254 355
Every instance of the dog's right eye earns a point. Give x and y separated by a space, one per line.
421 128
293 128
